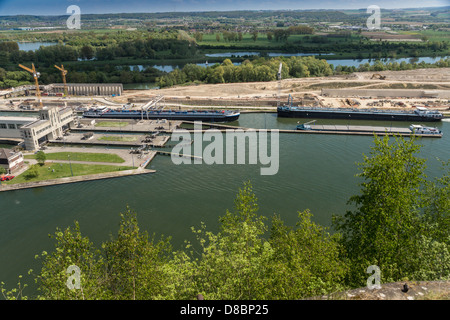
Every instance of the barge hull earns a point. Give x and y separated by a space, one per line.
355 116
167 117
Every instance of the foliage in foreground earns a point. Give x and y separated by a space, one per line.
238 262
400 223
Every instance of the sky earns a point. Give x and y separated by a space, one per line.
59 7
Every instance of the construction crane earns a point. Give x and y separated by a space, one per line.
36 75
279 83
63 73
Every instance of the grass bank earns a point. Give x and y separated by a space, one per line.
61 170
118 138
81 156
111 124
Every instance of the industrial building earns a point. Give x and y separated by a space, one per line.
10 126
50 125
88 89
73 89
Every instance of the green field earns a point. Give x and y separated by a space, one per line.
111 124
61 170
248 42
118 138
431 35
81 156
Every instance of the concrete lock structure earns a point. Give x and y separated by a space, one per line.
50 126
73 89
88 89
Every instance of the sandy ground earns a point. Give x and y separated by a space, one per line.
266 95
420 290
435 78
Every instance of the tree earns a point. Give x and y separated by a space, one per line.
306 259
41 157
384 228
32 172
129 266
215 75
198 36
71 248
87 52
235 262
281 34
194 72
254 35
436 200
133 262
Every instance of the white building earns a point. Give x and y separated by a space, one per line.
50 125
10 126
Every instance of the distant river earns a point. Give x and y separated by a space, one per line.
33 46
317 172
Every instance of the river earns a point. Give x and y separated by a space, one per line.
33 46
334 62
316 172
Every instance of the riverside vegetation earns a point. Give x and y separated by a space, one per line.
105 55
400 222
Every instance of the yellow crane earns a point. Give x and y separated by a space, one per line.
35 76
63 73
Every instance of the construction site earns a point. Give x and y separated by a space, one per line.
387 89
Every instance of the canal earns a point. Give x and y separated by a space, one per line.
316 172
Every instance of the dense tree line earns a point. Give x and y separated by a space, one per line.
134 49
399 222
263 69
260 69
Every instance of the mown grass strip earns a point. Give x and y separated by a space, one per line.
81 156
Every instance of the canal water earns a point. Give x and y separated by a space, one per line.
316 172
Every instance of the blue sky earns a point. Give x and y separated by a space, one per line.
58 7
